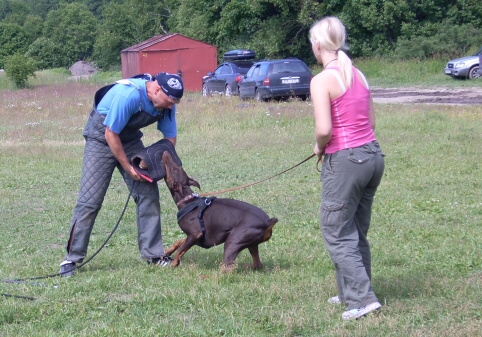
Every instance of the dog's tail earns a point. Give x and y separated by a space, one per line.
269 231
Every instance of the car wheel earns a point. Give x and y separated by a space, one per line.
206 90
474 72
241 97
257 96
228 92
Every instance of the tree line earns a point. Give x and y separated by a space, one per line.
57 33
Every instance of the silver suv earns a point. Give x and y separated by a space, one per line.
465 67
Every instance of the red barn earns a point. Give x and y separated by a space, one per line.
172 53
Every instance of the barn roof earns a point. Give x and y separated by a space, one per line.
150 42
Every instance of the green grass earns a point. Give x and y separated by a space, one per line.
425 234
59 75
399 73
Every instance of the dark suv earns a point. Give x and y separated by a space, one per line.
283 78
225 78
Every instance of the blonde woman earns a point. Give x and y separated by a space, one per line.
352 168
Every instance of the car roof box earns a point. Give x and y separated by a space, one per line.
239 54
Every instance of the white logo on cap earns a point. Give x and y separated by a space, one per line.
174 83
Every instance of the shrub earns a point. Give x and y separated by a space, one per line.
46 53
18 68
445 42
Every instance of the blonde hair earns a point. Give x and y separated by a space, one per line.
329 34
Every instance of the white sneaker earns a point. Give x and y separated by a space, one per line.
334 300
357 313
164 261
67 268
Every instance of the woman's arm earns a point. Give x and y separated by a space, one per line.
371 115
320 97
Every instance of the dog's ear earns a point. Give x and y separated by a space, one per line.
177 188
166 156
193 182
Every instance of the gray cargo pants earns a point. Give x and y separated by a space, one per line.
98 166
350 179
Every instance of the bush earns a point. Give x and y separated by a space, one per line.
13 39
46 53
18 68
446 42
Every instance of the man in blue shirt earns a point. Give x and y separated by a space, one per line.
113 136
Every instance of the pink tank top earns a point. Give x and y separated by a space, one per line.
350 117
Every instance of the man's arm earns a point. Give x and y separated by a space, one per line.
114 142
172 140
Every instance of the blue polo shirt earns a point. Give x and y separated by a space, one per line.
129 97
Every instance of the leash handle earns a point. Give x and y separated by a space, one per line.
256 182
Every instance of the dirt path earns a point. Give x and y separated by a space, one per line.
465 96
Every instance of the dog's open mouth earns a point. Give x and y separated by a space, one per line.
143 165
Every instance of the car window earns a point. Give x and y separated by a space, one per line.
226 70
243 68
251 70
219 70
264 69
256 71
288 67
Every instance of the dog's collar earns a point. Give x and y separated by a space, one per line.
187 198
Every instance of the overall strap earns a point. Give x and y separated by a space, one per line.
127 82
99 94
202 204
202 207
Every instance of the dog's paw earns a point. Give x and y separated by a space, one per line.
228 269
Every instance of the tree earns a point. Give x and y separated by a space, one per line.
74 29
46 53
196 18
43 7
127 24
97 6
13 39
33 27
273 28
13 11
18 68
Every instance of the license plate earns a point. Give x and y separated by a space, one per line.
448 71
290 81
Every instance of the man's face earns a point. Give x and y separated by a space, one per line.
161 100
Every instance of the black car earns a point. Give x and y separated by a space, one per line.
283 78
225 78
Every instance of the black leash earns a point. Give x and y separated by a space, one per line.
27 279
18 296
256 182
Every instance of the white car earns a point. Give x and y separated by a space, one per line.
465 67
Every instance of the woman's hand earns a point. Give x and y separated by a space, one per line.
319 153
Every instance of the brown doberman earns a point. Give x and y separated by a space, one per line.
208 222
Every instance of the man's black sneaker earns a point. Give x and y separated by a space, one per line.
164 261
67 269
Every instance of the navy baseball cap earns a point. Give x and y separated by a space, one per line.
171 85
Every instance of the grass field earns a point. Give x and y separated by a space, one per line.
426 229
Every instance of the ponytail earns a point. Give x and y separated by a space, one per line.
346 67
